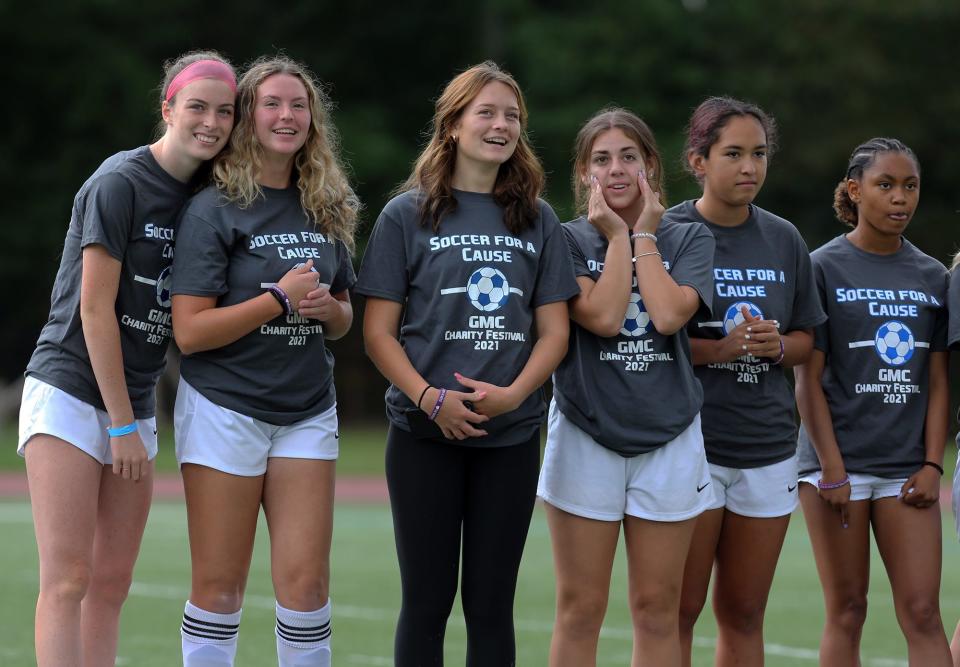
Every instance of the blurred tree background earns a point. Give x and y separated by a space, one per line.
82 84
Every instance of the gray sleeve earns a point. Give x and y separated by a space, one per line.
345 278
807 308
201 259
821 332
580 267
693 265
107 214
556 280
941 327
953 305
383 271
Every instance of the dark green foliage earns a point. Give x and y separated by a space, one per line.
82 85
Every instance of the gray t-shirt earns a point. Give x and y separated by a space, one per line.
634 392
748 415
953 306
469 294
129 206
281 372
953 328
887 313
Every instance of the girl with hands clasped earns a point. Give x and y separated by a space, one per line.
466 277
624 448
873 401
87 425
765 306
261 282
754 336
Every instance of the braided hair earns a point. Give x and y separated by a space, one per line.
861 159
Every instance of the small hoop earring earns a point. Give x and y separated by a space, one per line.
454 137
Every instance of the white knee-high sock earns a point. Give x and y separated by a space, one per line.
303 637
208 639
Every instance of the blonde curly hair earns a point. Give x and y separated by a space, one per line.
325 193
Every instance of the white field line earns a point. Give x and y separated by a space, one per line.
17 513
265 602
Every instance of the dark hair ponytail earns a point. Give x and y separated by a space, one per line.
861 159
709 119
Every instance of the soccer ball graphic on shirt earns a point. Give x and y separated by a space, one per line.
488 289
734 315
636 321
163 288
894 343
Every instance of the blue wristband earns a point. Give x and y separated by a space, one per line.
122 430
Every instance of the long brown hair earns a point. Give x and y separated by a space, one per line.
635 129
520 179
325 193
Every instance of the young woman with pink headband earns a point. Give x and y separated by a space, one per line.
88 401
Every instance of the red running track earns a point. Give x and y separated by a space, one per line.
170 487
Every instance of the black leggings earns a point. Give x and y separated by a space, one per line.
439 491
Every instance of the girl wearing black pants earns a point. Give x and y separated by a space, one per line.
462 268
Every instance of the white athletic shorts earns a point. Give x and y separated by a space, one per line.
47 410
582 477
213 436
865 487
761 493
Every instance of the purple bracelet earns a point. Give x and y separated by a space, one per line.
438 404
281 298
779 360
833 485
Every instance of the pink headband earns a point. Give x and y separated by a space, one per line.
202 69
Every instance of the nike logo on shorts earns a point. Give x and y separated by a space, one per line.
791 488
701 488
336 436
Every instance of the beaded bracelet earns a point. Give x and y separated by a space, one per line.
833 485
422 394
281 298
439 403
117 431
935 466
643 235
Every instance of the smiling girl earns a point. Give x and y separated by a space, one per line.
466 277
873 401
624 448
260 283
87 426
765 308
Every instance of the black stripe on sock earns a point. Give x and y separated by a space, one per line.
294 628
197 621
206 635
302 638
207 630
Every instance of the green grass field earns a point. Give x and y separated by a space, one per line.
365 592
